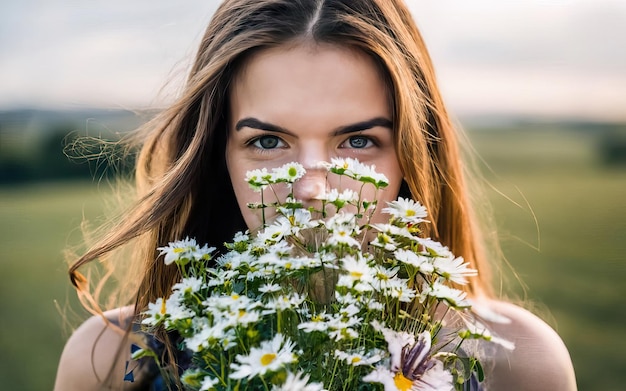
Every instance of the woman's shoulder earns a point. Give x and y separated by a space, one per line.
98 348
540 360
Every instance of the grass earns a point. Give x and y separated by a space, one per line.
38 221
560 215
562 225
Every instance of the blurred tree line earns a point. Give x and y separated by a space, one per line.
612 147
38 146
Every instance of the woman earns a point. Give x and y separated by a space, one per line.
297 80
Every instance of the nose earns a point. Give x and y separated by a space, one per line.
310 186
313 183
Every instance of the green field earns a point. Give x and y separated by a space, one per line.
562 222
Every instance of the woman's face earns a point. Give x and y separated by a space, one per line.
309 104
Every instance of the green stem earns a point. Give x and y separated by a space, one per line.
332 376
263 206
264 383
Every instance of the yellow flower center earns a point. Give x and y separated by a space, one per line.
235 296
267 358
241 313
178 250
356 274
163 307
384 238
356 360
402 382
410 212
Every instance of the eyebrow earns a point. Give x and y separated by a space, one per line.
352 128
258 124
364 125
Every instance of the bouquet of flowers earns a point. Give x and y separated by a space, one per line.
330 303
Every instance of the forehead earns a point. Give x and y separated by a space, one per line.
303 50
320 79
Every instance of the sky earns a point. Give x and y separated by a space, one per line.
541 58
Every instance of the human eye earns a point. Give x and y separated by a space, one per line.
358 142
267 142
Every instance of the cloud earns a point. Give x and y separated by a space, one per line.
536 57
515 55
96 53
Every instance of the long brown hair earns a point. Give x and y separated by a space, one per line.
183 183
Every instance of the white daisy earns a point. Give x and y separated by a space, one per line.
354 169
189 285
344 318
420 262
383 277
269 288
206 335
258 179
456 298
355 269
368 174
454 269
406 210
233 260
340 165
333 196
399 289
288 173
243 318
270 356
394 231
343 333
340 236
358 358
155 313
475 329
208 383
282 303
176 308
348 311
385 241
224 306
343 229
268 260
179 250
317 323
222 277
241 237
298 382
374 305
300 218
434 248
275 231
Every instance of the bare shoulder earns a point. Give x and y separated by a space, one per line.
540 360
95 349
